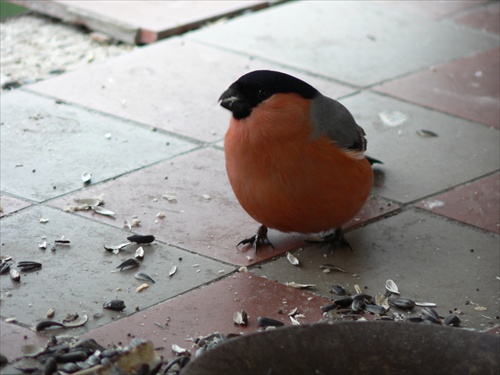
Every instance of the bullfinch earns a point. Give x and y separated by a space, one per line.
294 157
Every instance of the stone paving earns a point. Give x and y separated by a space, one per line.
421 78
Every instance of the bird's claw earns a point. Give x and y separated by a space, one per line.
258 240
336 240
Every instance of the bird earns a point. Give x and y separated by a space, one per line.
294 157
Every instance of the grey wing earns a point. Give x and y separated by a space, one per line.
334 120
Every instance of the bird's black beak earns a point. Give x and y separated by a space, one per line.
232 100
229 98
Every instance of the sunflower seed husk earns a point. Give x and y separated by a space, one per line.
294 321
428 313
32 350
137 238
391 286
50 313
116 248
338 290
139 253
425 304
46 324
91 202
114 304
173 270
129 263
240 318
452 320
178 350
403 303
143 277
292 259
102 211
15 275
426 133
293 284
263 321
86 177
332 267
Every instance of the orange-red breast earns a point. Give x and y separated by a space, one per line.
294 157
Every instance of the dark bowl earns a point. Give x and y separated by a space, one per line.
354 348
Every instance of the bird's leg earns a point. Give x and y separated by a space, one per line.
258 239
336 240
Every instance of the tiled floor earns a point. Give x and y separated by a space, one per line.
148 127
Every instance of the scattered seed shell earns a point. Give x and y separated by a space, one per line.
294 321
137 238
135 223
240 318
15 275
50 313
480 308
91 202
331 267
391 286
338 290
403 303
139 253
129 263
116 248
32 350
127 225
426 133
86 177
178 350
144 277
292 259
173 270
293 284
425 304
102 211
114 304
263 321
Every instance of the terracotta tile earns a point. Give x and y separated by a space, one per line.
210 309
467 88
428 257
47 146
415 166
432 9
172 85
483 18
80 277
358 42
477 203
10 205
141 21
13 337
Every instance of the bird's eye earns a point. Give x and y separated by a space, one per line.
263 94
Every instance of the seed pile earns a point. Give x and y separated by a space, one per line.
68 355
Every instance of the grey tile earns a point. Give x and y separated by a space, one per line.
172 85
80 277
430 258
45 147
357 42
417 166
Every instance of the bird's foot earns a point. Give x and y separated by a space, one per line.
336 240
258 240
